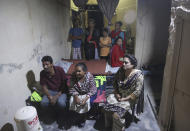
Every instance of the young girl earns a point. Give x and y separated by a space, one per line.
91 40
117 53
105 43
118 33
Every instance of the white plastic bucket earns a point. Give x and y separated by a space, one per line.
27 119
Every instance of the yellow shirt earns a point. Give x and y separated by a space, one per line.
104 43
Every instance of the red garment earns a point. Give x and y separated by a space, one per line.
116 54
93 42
55 82
114 35
89 38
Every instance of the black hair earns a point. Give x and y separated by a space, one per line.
82 65
118 39
119 22
47 58
132 59
105 30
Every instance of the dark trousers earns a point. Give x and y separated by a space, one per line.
89 50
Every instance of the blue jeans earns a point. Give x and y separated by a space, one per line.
61 101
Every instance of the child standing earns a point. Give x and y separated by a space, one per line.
117 53
105 44
75 35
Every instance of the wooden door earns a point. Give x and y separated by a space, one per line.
175 103
181 99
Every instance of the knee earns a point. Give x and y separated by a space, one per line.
62 101
115 116
44 102
61 104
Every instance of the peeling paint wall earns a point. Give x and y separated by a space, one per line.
30 29
153 18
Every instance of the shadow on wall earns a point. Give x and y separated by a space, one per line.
7 127
32 84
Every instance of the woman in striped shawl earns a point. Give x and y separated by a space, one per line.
128 84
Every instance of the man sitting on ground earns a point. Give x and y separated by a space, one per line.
53 81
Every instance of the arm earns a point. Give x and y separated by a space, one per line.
79 37
75 37
44 88
95 36
44 84
92 86
138 88
72 89
109 43
92 89
75 94
102 43
106 43
116 86
63 87
51 98
123 36
139 85
57 95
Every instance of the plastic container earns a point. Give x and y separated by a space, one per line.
26 119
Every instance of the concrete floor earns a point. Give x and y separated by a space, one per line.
147 121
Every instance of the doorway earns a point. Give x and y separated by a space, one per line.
94 12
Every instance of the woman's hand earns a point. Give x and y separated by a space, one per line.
124 99
118 96
121 99
77 100
83 102
53 100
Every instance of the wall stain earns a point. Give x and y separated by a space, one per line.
10 67
37 53
61 42
41 38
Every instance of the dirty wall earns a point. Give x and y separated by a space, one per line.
29 29
153 18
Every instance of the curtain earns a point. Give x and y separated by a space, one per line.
80 3
108 8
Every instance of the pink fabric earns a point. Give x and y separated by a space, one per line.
100 98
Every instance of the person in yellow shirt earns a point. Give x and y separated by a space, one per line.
105 44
